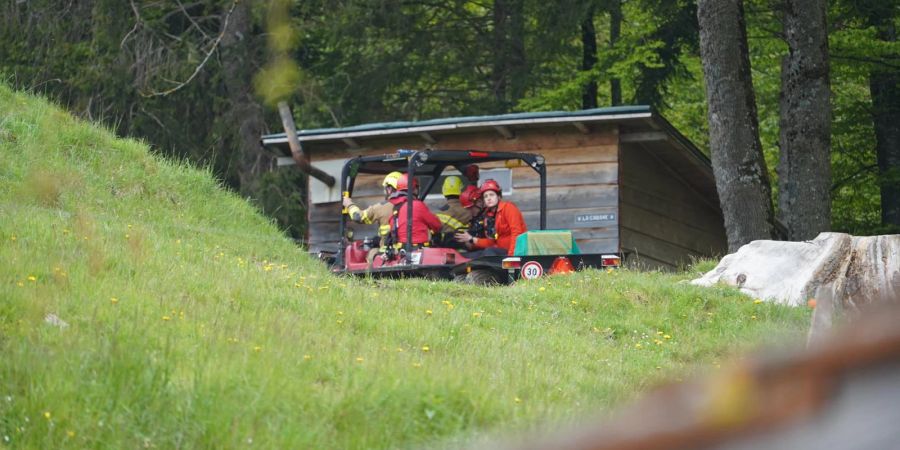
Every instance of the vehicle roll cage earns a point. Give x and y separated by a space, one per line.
431 162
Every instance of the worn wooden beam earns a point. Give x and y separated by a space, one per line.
290 130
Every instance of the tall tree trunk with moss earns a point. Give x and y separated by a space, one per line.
509 73
884 85
615 29
742 180
243 120
804 169
588 59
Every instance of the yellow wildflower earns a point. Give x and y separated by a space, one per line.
428 312
757 301
257 348
542 289
359 359
70 433
425 348
518 400
667 337
166 318
476 314
113 300
47 415
417 365
638 345
32 278
307 357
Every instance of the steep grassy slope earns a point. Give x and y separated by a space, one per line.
143 306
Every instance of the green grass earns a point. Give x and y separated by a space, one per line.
193 323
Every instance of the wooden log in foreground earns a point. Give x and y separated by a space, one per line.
290 129
841 392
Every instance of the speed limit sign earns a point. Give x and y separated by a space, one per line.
532 270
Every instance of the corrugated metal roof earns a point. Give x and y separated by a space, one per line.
385 128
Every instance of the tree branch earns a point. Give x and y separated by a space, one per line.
137 23
199 67
862 170
875 61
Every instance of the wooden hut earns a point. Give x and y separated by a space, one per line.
622 178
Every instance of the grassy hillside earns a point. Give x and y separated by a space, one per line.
141 306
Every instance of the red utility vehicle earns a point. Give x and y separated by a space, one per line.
405 259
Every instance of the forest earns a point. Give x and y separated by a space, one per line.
199 81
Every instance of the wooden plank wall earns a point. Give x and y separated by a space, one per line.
664 221
582 179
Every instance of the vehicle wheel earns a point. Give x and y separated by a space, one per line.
435 275
482 277
459 278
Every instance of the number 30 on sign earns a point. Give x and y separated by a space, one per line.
532 270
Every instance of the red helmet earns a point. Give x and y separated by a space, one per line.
403 183
469 195
471 172
490 185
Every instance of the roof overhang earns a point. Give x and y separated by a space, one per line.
505 125
637 125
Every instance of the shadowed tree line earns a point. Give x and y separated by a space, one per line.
181 75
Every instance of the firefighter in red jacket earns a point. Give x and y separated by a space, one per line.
502 221
424 221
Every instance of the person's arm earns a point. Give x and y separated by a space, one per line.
433 223
365 216
517 225
516 221
474 242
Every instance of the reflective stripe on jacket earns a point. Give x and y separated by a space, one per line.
379 213
454 217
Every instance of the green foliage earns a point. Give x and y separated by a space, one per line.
143 306
346 63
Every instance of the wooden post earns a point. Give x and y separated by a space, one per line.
290 129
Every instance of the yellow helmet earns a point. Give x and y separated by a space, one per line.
452 186
391 179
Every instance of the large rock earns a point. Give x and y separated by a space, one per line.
854 270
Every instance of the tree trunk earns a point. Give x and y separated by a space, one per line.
615 28
740 170
884 85
518 68
589 59
245 115
509 74
804 169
